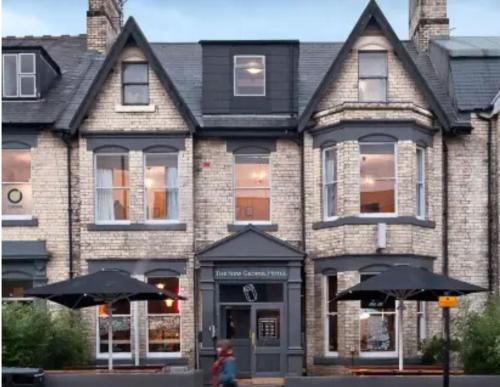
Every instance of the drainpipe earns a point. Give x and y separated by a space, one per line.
446 311
488 119
303 216
67 141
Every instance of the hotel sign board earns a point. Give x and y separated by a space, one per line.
263 273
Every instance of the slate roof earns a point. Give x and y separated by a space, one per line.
473 64
71 55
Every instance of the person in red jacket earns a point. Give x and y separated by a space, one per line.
224 368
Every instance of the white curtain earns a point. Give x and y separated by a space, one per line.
173 195
104 182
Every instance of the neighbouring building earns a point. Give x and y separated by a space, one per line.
257 178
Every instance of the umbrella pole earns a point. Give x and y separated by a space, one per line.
110 335
400 334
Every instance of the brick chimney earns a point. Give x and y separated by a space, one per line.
104 22
428 18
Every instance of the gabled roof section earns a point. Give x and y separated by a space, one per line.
131 31
440 104
250 244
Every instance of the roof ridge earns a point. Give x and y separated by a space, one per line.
43 37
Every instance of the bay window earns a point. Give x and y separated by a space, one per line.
112 188
420 192
164 321
121 329
372 76
329 183
252 189
377 325
249 75
331 325
378 178
161 187
17 201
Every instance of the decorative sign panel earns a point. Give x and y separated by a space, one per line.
269 273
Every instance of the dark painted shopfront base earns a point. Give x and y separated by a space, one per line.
392 381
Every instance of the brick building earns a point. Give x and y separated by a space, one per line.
257 178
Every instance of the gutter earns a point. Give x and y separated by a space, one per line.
488 119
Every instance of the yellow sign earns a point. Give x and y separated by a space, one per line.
448 302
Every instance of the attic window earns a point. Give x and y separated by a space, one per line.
373 76
135 84
249 75
19 75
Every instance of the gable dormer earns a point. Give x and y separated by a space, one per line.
28 72
250 77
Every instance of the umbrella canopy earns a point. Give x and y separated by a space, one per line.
99 288
408 283
102 287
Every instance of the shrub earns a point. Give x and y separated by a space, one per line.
481 340
34 336
432 349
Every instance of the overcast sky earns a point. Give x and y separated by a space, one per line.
192 20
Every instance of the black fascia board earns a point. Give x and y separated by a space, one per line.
132 31
29 49
372 11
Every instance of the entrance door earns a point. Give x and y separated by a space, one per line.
236 326
267 340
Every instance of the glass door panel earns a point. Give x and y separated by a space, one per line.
267 339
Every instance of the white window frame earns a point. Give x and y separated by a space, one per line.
115 355
162 355
145 190
381 354
326 315
420 185
97 221
326 183
386 97
20 75
396 182
421 322
26 216
264 90
256 222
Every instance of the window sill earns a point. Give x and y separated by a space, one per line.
357 220
33 222
119 108
356 360
262 227
138 227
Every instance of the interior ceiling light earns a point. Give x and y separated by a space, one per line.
254 70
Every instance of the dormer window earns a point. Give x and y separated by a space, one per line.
19 75
373 76
249 75
135 84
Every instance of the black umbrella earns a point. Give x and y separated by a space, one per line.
102 287
407 283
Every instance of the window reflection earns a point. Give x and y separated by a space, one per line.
16 183
378 178
121 327
252 188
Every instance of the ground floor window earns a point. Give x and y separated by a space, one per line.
121 328
421 323
377 325
331 325
13 289
164 320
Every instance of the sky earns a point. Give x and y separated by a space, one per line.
193 20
